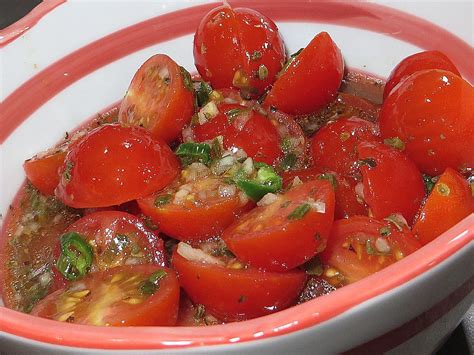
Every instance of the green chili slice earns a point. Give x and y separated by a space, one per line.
76 256
266 180
191 152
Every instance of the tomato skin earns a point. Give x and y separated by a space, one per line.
162 105
237 294
449 202
346 204
432 113
113 165
416 62
161 308
356 264
269 238
227 42
311 81
101 230
333 147
195 221
258 137
394 185
43 172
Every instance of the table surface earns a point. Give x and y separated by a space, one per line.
459 343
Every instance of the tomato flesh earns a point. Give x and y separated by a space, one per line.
432 113
159 98
237 294
311 80
449 202
115 298
276 237
113 165
359 246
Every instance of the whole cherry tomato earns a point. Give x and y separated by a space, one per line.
359 246
432 112
123 296
392 182
115 164
416 62
449 202
160 98
240 48
311 79
288 231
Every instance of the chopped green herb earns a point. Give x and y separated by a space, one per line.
191 152
330 177
286 145
202 93
397 220
242 298
262 72
233 113
300 211
344 136
429 182
256 55
395 142
67 171
314 267
385 231
76 256
149 286
289 62
285 204
199 312
370 162
162 200
288 161
188 82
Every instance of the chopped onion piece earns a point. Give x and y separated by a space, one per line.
247 166
267 199
194 254
241 120
180 196
296 181
188 135
318 206
227 190
359 191
224 164
164 74
240 154
195 172
244 199
382 245
208 112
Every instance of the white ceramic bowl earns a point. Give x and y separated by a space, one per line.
65 62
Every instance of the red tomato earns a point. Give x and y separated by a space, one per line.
359 246
43 170
122 296
160 98
118 238
201 209
287 232
238 47
347 203
432 112
333 147
416 62
115 164
237 294
243 128
449 202
311 80
392 182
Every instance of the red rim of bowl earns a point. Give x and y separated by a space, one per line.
290 320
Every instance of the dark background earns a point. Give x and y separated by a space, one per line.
12 10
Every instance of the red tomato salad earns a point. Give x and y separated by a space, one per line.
251 187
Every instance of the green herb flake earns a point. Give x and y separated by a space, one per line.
289 62
397 221
329 177
202 93
256 55
395 142
285 204
233 113
162 200
385 231
67 174
314 267
151 285
429 182
199 312
369 249
191 152
300 211
242 299
288 161
370 162
262 72
187 81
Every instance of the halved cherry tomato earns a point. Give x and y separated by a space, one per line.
449 202
238 47
233 294
195 210
311 81
287 232
43 170
159 98
432 112
347 202
118 238
359 246
123 296
244 128
115 164
333 147
416 62
392 182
